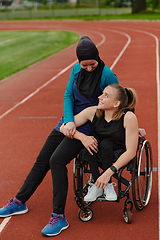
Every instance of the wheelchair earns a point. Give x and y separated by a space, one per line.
140 171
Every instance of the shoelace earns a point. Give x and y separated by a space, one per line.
90 186
110 186
10 202
53 220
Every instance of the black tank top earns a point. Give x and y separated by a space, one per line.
113 130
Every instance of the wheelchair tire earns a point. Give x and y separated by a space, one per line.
86 215
142 175
127 215
82 179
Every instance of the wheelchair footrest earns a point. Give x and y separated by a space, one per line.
102 198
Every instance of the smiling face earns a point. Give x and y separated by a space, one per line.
89 65
108 100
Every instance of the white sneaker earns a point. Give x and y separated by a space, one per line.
93 193
110 193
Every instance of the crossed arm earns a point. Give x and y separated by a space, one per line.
89 142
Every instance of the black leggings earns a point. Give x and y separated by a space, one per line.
56 153
105 155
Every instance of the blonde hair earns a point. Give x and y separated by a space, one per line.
127 98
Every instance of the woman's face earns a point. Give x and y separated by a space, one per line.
107 100
89 65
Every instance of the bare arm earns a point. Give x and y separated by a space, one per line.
85 115
131 126
81 118
69 129
89 142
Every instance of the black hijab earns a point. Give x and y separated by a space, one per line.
88 82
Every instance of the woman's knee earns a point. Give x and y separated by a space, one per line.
42 162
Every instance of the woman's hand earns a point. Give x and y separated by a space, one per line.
104 178
69 129
90 143
142 132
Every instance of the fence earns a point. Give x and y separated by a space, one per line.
51 8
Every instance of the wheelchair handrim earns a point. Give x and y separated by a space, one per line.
145 198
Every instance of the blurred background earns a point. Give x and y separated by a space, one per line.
31 9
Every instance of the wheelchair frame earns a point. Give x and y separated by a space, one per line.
140 168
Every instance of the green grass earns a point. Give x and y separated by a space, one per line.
19 49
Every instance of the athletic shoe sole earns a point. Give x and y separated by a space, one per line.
111 199
51 235
92 200
15 213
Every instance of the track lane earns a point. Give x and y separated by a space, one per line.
98 208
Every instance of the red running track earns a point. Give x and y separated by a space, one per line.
131 50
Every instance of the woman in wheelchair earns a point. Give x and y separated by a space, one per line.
116 128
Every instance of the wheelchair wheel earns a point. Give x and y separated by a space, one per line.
127 215
86 215
81 178
142 175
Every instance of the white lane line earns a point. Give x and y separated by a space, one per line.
158 106
4 222
103 38
48 82
158 88
158 94
38 89
124 48
158 111
37 117
64 70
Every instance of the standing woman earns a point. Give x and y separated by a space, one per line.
87 81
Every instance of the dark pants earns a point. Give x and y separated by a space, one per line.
56 153
105 156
